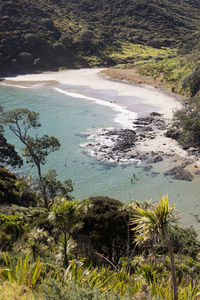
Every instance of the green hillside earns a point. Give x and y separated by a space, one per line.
44 34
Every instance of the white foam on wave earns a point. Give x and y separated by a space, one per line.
124 117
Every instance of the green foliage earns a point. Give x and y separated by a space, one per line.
192 82
54 187
58 48
24 273
104 227
185 241
37 243
10 291
36 150
150 221
186 124
94 28
20 121
8 155
12 228
154 222
15 191
66 40
31 39
25 58
64 216
134 277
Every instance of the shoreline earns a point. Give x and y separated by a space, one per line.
132 96
95 81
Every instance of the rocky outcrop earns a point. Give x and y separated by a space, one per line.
120 145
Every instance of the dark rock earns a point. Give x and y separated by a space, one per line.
155 159
155 114
144 121
147 168
148 128
179 173
173 134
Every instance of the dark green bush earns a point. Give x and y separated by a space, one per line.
31 38
25 58
192 81
15 191
186 124
12 227
104 227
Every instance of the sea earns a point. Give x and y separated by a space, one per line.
74 118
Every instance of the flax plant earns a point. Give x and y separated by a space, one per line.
150 223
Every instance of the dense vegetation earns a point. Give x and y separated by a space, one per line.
90 250
54 247
44 34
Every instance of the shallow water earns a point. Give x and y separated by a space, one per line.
68 118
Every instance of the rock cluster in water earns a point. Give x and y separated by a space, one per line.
117 145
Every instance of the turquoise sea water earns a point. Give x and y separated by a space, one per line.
68 118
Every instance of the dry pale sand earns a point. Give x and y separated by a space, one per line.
93 78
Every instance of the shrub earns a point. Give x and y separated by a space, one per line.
25 58
12 227
31 38
104 227
15 191
58 47
66 40
192 81
186 124
37 61
48 23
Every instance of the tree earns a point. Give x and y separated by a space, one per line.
15 191
55 187
192 82
8 155
154 222
64 215
20 122
186 124
104 228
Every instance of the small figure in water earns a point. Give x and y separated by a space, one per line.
131 180
134 175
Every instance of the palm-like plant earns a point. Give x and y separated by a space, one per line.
64 216
153 222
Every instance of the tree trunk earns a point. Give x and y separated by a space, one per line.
171 255
65 250
128 239
43 188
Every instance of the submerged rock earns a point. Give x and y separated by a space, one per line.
179 173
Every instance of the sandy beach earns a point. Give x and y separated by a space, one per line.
92 82
94 79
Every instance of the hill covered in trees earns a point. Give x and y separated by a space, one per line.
44 34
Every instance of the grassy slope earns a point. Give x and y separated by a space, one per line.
165 66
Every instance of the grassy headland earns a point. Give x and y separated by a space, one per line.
163 67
